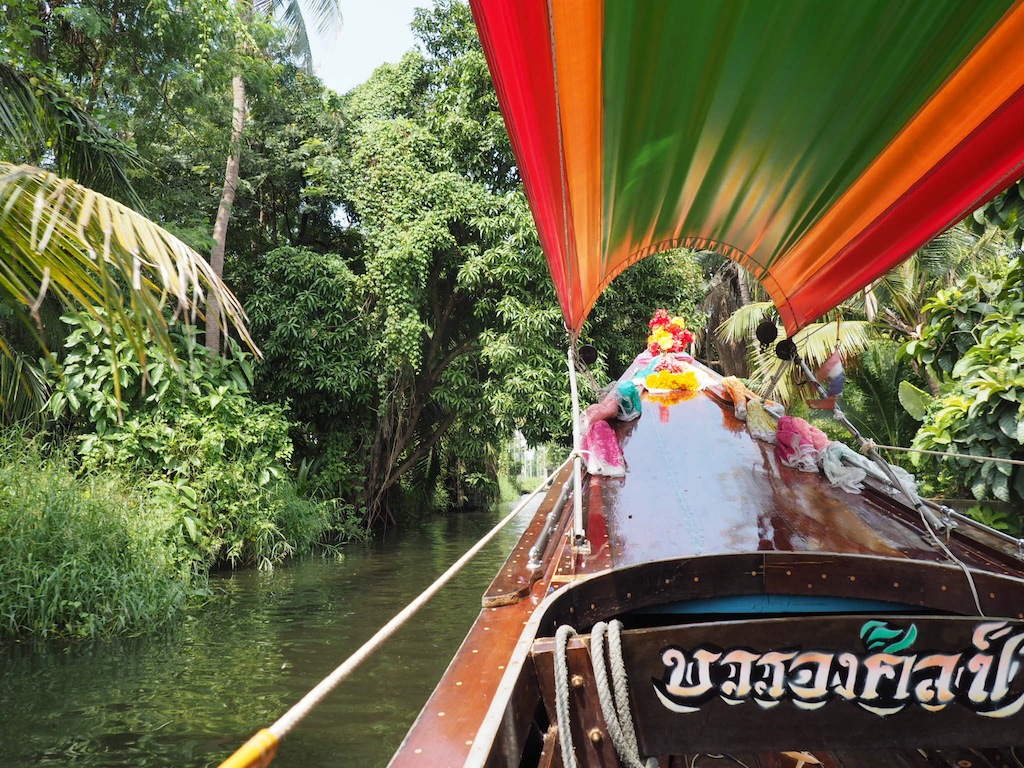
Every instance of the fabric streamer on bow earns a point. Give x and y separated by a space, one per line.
600 445
760 423
627 396
798 444
832 378
601 450
841 474
738 392
842 465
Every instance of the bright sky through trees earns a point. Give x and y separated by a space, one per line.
374 31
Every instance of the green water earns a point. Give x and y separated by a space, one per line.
190 696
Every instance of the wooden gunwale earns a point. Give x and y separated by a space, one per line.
516 577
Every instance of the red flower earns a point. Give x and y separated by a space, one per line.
661 319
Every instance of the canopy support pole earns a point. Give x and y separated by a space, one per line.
579 540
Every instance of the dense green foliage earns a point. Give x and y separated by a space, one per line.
380 241
871 394
383 248
195 438
81 556
410 352
974 341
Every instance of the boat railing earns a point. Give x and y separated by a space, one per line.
537 550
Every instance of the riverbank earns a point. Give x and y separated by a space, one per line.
189 696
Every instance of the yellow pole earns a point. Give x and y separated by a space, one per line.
257 752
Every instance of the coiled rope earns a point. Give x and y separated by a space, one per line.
562 695
613 697
258 751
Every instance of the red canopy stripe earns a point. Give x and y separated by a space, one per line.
963 147
979 169
516 38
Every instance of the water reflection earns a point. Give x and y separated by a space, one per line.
192 695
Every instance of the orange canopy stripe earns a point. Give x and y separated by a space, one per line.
818 144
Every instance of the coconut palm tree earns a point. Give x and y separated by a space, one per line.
327 15
895 301
64 239
59 238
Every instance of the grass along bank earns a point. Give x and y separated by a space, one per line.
84 555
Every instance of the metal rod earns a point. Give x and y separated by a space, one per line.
537 550
777 378
579 532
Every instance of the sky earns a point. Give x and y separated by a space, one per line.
373 32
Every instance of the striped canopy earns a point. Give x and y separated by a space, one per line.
816 142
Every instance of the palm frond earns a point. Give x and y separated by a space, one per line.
298 36
871 399
38 121
742 323
946 249
92 252
21 124
326 15
818 341
23 391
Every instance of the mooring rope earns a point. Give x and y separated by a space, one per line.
562 695
614 699
945 454
261 748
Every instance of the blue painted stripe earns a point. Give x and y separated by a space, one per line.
780 604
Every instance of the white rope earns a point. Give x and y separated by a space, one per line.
308 703
944 454
562 694
868 446
614 699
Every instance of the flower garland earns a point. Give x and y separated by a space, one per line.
668 334
662 380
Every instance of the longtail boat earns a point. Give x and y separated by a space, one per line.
712 605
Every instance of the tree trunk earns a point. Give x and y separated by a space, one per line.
741 284
227 199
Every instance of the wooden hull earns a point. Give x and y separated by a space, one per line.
760 607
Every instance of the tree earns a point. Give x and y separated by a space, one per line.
328 14
974 343
430 332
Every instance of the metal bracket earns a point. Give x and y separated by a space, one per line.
580 545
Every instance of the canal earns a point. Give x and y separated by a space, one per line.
191 695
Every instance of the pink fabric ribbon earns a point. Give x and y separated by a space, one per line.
798 444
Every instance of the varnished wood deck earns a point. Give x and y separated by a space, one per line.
697 485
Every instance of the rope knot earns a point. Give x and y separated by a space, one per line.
868 445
